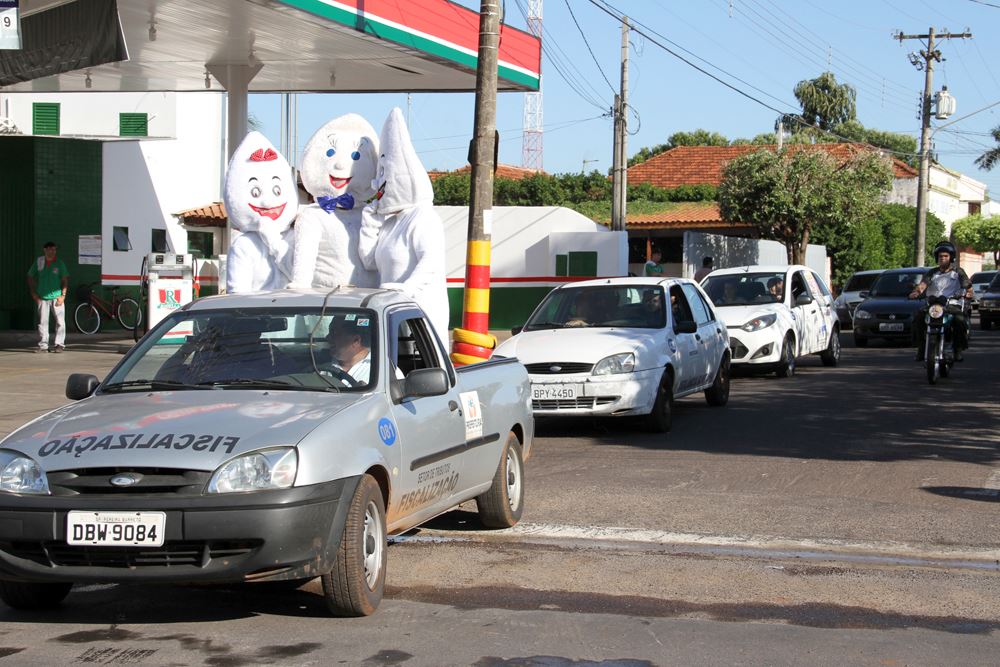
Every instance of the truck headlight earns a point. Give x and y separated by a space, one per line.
862 314
758 323
256 471
615 364
22 474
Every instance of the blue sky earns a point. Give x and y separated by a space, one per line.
761 47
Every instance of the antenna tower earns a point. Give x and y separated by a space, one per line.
531 144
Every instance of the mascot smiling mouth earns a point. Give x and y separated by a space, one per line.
339 183
274 212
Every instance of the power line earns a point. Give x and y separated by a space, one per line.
586 43
988 4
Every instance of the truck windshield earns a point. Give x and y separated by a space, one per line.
271 349
600 306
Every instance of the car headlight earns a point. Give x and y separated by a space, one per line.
256 471
936 311
22 474
758 323
615 364
862 314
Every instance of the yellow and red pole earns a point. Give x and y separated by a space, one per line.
472 342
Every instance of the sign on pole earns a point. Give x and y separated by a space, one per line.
10 25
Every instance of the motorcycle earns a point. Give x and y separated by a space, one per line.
939 351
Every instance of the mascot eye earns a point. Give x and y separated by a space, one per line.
276 190
330 152
255 191
355 155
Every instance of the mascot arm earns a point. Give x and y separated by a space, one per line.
240 266
371 225
427 247
308 231
279 249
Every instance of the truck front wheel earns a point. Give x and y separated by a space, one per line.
355 585
24 595
502 504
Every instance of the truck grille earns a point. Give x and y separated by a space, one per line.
91 481
558 368
581 403
171 554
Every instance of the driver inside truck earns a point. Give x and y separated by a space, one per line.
350 341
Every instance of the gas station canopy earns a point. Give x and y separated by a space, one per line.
282 45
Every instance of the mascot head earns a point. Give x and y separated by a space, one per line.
259 187
401 182
340 158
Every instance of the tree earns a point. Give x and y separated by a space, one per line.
903 145
825 103
979 233
785 195
699 137
991 157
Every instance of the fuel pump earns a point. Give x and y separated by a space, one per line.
171 284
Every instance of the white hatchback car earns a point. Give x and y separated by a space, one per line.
610 347
775 314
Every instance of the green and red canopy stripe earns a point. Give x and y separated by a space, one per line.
436 27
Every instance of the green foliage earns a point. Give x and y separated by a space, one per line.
902 145
697 138
991 157
561 190
787 195
979 233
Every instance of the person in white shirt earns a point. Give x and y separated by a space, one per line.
349 338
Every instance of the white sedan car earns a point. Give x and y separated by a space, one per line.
612 348
775 314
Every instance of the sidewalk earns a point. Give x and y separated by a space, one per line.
112 341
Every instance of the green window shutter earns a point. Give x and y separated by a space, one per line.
582 264
133 125
45 118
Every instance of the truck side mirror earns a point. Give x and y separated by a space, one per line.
426 382
516 330
80 386
803 300
685 327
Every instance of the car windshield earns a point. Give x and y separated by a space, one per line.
895 284
600 306
982 278
745 289
861 281
995 283
273 349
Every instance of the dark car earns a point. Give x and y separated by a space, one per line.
989 305
981 281
887 311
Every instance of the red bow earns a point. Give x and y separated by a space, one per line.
261 155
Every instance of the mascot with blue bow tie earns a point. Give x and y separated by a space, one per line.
338 166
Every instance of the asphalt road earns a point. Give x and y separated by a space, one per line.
844 516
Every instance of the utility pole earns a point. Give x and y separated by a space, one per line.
619 175
473 342
925 61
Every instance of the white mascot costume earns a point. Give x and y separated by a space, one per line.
261 202
338 166
402 236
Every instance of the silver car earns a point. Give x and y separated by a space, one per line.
261 437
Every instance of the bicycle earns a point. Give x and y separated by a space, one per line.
87 316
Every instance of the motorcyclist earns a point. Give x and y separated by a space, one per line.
948 280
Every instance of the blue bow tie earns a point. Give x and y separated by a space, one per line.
328 204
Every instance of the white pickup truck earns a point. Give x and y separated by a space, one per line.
261 437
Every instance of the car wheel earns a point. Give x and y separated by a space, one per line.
23 595
660 419
787 367
860 341
355 585
502 504
718 394
831 355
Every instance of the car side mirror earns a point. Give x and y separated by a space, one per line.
80 386
803 300
516 330
863 295
426 382
685 327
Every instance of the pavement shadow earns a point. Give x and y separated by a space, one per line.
965 493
